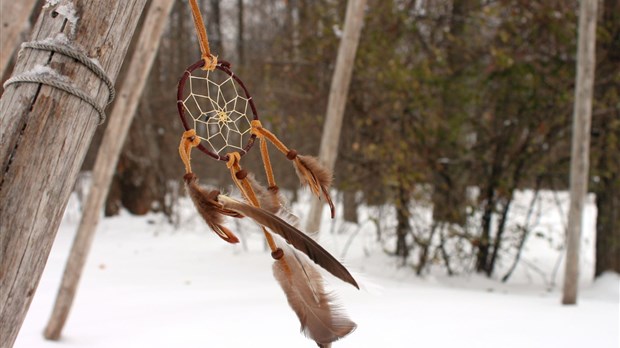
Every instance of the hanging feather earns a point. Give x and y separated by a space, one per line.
293 236
321 320
272 201
212 205
312 173
211 211
267 199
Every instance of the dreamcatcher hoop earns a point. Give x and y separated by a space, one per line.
183 109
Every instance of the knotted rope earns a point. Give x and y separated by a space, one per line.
59 81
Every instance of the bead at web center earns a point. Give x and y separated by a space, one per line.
222 116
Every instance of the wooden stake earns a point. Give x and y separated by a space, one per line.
44 135
580 150
107 158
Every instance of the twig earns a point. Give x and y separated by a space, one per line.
424 254
526 229
444 254
349 241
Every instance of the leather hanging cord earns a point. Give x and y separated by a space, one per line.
257 128
209 59
259 131
239 178
263 133
271 180
307 175
188 141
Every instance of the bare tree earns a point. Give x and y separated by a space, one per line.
215 27
240 32
13 18
354 19
605 133
580 150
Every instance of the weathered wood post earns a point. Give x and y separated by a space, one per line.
354 20
107 157
44 135
580 150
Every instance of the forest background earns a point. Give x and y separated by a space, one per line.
453 104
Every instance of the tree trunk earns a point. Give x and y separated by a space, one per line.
501 227
484 242
354 19
607 189
580 150
449 179
109 150
13 21
403 227
608 226
215 26
44 135
240 30
349 203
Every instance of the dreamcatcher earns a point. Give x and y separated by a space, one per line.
221 120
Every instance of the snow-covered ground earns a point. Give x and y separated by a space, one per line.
147 284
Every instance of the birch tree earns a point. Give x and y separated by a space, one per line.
580 149
354 19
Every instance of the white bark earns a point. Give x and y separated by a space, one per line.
580 150
354 20
107 157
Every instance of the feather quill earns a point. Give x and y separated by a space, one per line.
295 237
321 320
312 173
209 208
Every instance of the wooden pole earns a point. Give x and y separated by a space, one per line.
13 23
107 157
44 135
354 20
580 150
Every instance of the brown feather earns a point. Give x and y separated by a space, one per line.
312 173
295 237
320 319
268 200
209 208
272 201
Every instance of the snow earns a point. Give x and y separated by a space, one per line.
337 31
59 39
65 8
68 11
41 70
50 3
147 284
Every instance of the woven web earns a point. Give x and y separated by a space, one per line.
218 111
